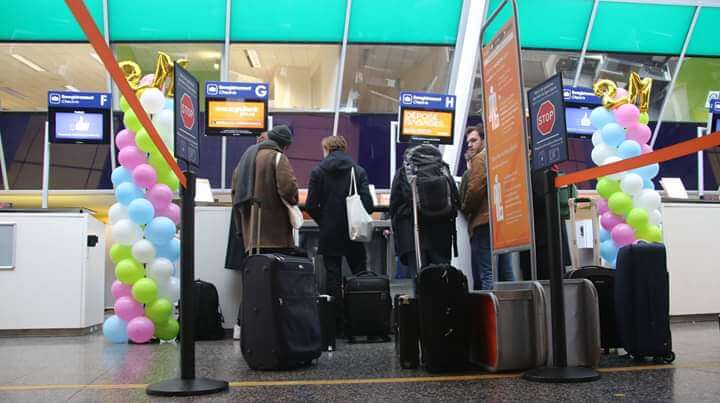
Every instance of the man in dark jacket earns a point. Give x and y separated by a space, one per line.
328 188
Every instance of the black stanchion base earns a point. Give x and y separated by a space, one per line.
561 375
186 387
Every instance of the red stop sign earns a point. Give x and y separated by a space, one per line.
187 111
546 118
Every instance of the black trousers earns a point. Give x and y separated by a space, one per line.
357 261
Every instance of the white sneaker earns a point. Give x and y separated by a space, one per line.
236 332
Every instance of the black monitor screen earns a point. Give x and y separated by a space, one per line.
89 126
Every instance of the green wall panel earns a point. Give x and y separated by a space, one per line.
287 20
705 38
44 20
178 20
640 28
697 76
405 21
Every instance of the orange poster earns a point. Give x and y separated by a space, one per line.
506 141
417 122
236 114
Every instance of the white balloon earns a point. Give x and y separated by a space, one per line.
632 184
126 232
655 217
596 138
152 100
143 251
117 212
163 122
609 160
648 199
170 289
160 270
602 152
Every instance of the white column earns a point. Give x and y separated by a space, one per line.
224 72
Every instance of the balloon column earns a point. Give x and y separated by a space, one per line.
144 220
629 209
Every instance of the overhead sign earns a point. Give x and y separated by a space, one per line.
712 95
581 95
234 109
547 123
715 106
426 117
187 132
507 150
79 117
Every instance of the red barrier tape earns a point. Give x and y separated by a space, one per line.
663 154
98 42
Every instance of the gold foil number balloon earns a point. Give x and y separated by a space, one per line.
132 73
163 72
637 87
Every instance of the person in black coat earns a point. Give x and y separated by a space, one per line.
328 188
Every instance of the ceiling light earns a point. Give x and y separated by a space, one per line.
71 88
384 96
253 58
96 57
384 70
28 63
216 66
13 92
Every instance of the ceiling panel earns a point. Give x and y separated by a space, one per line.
43 20
178 20
704 40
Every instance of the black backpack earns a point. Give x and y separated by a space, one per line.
206 311
437 196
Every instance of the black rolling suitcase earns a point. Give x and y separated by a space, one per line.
280 319
407 331
604 281
368 306
326 307
642 295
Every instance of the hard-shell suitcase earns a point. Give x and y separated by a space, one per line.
326 308
604 281
407 331
642 295
367 305
508 327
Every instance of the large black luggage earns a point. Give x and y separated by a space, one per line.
604 281
368 306
326 308
642 295
206 311
407 331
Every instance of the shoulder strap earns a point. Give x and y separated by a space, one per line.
353 183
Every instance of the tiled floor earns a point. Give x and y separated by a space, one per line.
87 369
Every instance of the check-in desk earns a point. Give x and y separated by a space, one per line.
52 271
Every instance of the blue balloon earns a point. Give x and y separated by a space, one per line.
127 192
648 171
160 230
600 116
608 250
629 149
613 134
141 211
649 184
170 250
120 175
115 330
604 235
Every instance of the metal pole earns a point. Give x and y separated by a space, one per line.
106 31
588 32
46 167
187 276
556 267
671 87
341 67
224 72
3 167
459 42
701 165
393 150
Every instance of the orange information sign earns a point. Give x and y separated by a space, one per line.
418 122
236 114
507 157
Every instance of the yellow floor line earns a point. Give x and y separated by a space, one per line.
360 381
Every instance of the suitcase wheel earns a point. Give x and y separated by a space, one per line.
668 358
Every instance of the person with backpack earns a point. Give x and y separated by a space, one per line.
327 191
438 202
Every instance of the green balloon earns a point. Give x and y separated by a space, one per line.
131 121
159 311
129 271
145 290
124 105
120 252
157 161
638 218
644 118
654 233
606 187
620 203
168 330
168 178
144 141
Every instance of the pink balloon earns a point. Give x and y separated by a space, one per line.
126 308
119 289
639 132
620 93
644 149
602 206
144 176
627 115
140 329
622 235
131 156
172 211
124 138
608 220
147 79
160 196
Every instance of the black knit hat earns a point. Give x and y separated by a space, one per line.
282 135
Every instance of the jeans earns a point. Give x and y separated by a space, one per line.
333 268
481 260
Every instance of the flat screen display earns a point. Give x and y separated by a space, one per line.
426 126
87 126
577 120
235 117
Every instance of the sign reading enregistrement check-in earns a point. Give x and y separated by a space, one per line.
426 118
236 109
187 132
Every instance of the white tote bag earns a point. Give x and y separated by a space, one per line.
359 221
296 216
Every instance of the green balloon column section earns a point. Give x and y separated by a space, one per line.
630 206
144 225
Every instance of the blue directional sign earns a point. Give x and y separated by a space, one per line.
79 117
239 91
426 100
426 118
236 109
70 99
581 95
